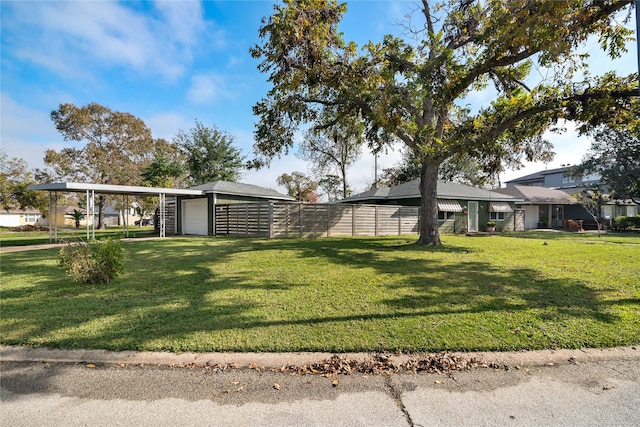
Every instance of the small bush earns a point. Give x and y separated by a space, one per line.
620 223
96 262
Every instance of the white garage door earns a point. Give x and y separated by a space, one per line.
194 217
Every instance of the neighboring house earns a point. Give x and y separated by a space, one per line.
557 178
195 214
461 208
545 207
614 208
17 217
64 217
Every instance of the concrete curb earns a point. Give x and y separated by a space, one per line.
277 360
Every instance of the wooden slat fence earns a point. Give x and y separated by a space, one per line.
274 220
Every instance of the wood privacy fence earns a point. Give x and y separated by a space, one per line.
310 220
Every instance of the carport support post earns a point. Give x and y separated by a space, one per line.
162 216
91 214
51 214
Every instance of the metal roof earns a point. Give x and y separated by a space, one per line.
78 187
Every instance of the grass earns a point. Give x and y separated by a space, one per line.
337 294
18 238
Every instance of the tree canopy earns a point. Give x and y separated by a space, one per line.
210 155
14 182
117 146
412 89
331 152
615 156
300 186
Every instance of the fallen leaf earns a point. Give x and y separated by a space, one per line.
335 383
90 365
276 386
608 387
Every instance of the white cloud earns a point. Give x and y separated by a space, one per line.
206 88
167 125
26 133
69 38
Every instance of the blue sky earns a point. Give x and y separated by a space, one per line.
171 63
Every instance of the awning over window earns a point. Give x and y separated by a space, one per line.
449 206
500 207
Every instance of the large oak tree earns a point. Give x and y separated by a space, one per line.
116 146
412 89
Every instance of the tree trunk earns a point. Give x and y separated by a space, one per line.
429 234
101 207
343 172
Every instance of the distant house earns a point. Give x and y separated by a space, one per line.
545 207
196 214
17 217
461 207
557 178
553 209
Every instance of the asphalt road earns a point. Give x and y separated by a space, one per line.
592 393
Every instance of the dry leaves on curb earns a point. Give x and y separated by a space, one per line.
441 363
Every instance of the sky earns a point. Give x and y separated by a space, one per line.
171 63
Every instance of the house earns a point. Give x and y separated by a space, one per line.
461 207
545 207
17 217
196 214
186 211
557 178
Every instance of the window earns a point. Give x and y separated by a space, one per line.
31 218
497 216
497 210
442 216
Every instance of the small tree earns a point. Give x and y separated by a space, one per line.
332 151
77 216
332 185
592 200
210 155
300 186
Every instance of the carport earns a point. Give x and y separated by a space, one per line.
91 190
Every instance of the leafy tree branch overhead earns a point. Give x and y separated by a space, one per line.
411 89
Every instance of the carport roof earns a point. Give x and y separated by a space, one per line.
78 187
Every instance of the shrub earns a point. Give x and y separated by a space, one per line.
620 223
96 262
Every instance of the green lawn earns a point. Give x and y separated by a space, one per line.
525 291
22 238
